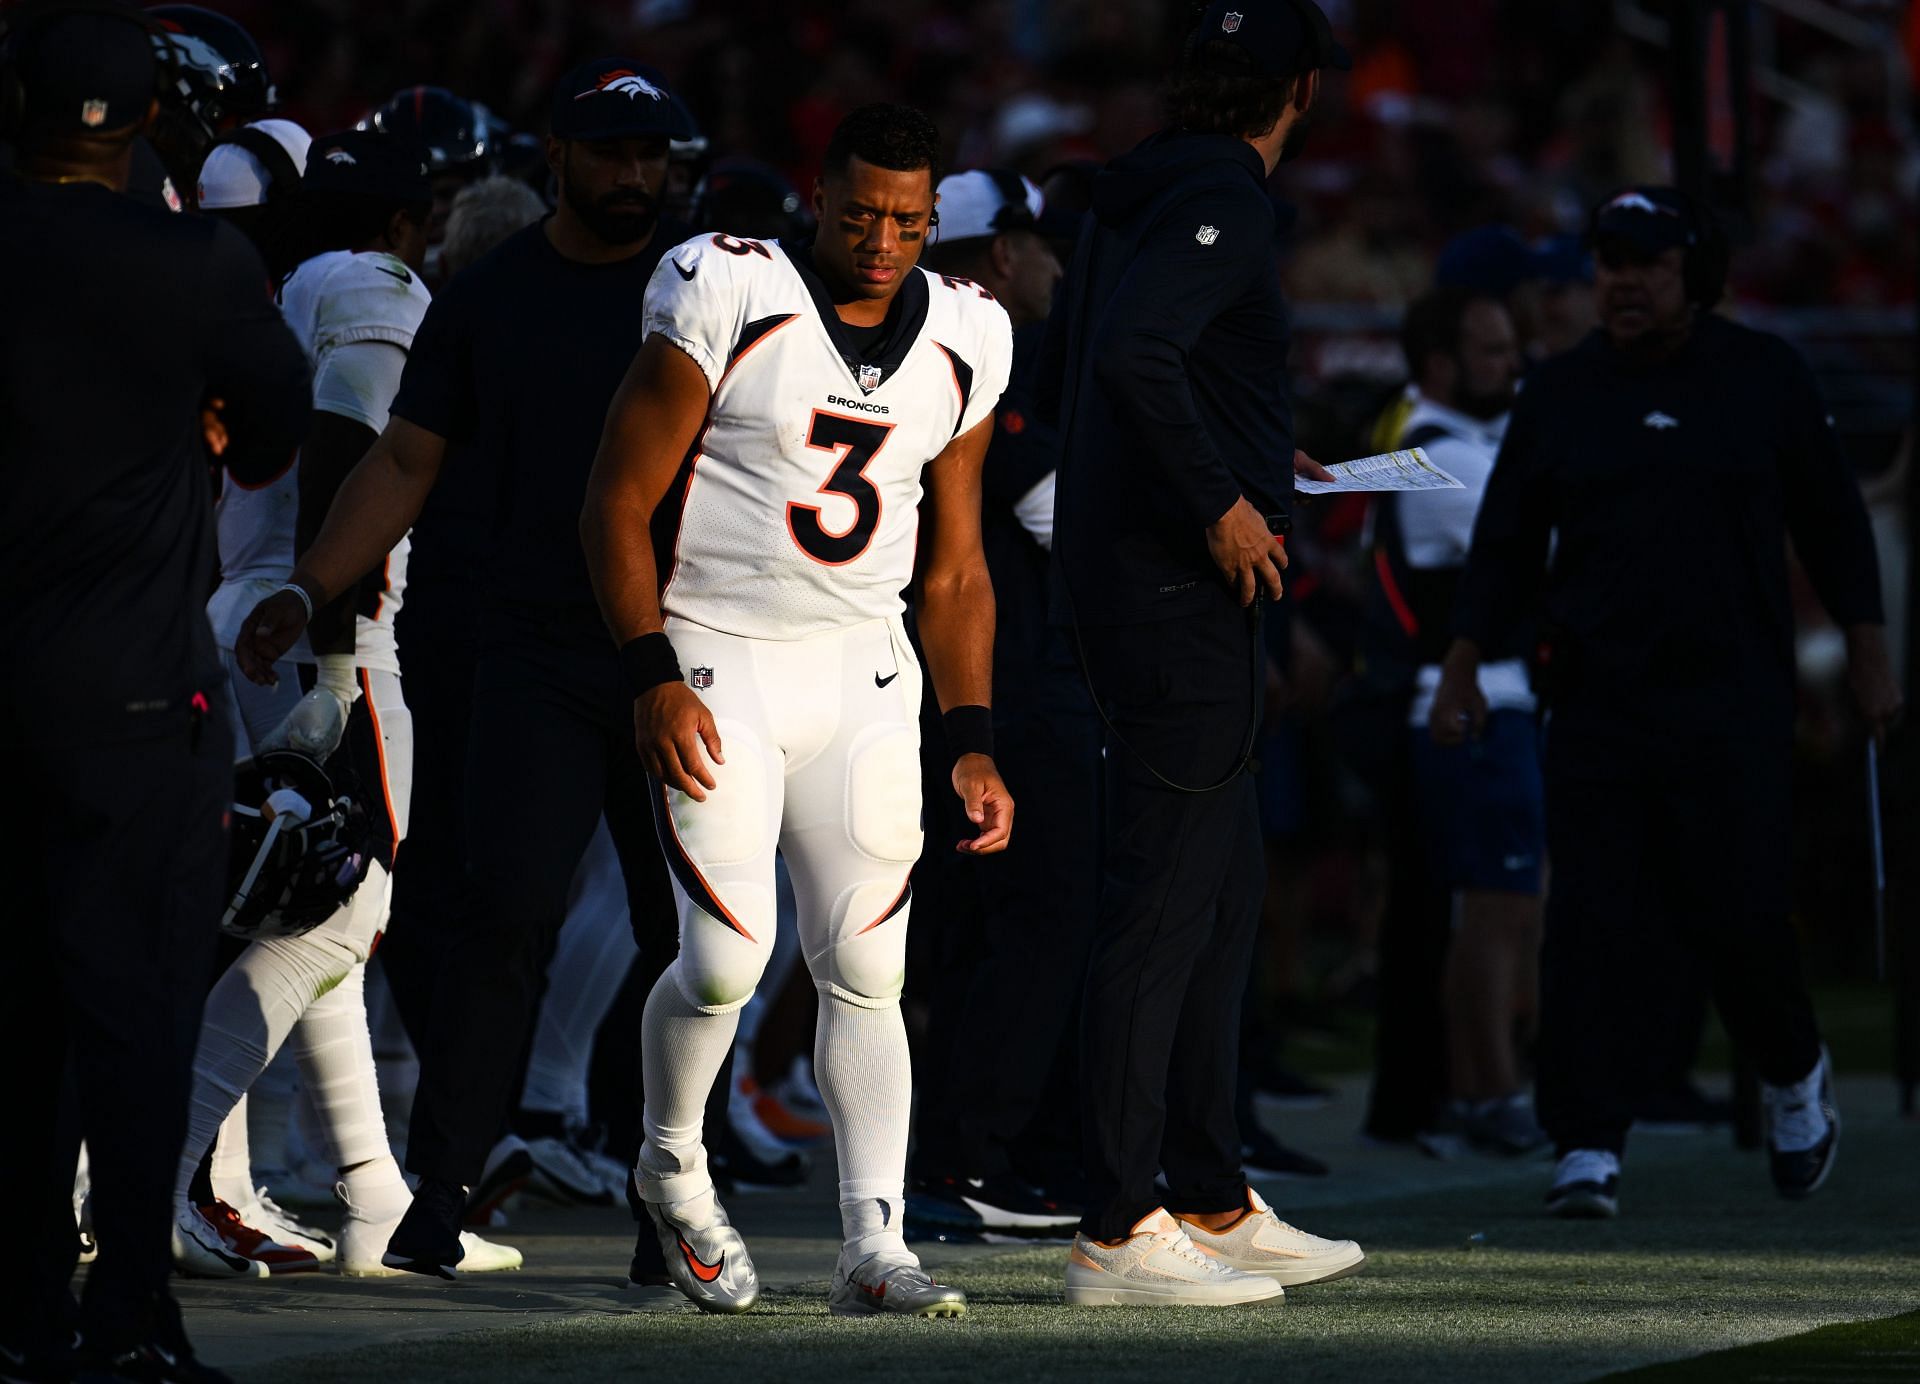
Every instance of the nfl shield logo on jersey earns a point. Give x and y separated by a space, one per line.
700 678
1206 235
1231 23
869 377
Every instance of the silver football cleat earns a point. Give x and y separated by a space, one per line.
879 1286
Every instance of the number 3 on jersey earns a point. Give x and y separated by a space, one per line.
858 442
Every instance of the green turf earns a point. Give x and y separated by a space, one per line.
1704 1258
1884 1350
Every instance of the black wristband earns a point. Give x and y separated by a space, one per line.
648 661
969 730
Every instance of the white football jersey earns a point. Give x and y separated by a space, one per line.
332 300
797 511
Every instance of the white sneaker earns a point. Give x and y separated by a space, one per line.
264 1214
363 1242
564 1172
1586 1186
1158 1266
215 1241
1260 1242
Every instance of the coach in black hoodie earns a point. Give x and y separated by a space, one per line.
1166 361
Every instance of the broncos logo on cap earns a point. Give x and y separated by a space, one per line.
632 83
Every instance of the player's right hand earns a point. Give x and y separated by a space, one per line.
1247 555
270 629
1459 706
671 726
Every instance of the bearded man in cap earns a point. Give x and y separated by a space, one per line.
1673 454
516 361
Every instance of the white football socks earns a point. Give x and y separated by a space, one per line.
334 1049
248 1015
682 1048
865 1071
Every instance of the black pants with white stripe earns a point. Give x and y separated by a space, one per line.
1182 880
1658 848
550 747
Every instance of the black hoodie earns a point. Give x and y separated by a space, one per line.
1165 363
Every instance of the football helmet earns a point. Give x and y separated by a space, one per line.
215 80
458 135
300 846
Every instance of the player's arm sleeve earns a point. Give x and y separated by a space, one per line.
252 361
1825 512
692 303
1507 563
437 390
359 381
1174 287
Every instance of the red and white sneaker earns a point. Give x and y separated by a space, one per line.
213 1241
267 1216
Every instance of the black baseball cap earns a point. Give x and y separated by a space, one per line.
1283 37
1650 219
367 163
617 98
84 73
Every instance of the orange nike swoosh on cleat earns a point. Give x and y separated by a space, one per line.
877 1294
706 1273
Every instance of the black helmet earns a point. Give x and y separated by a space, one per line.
222 73
300 846
743 197
459 135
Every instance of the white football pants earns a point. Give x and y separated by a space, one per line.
822 744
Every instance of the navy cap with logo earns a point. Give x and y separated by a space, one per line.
367 163
617 98
84 73
1650 219
1283 37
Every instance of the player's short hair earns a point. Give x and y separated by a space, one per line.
885 135
1219 91
484 214
1434 324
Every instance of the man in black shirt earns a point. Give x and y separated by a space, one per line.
517 360
1673 453
1176 472
120 320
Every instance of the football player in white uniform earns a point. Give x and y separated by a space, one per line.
355 310
799 439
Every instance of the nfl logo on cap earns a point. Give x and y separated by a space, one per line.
93 114
1230 24
869 377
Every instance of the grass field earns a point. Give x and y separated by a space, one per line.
1703 1259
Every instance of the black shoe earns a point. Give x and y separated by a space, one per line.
1264 1157
649 1266
167 1358
735 1168
1790 1111
1001 1203
38 1365
427 1240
